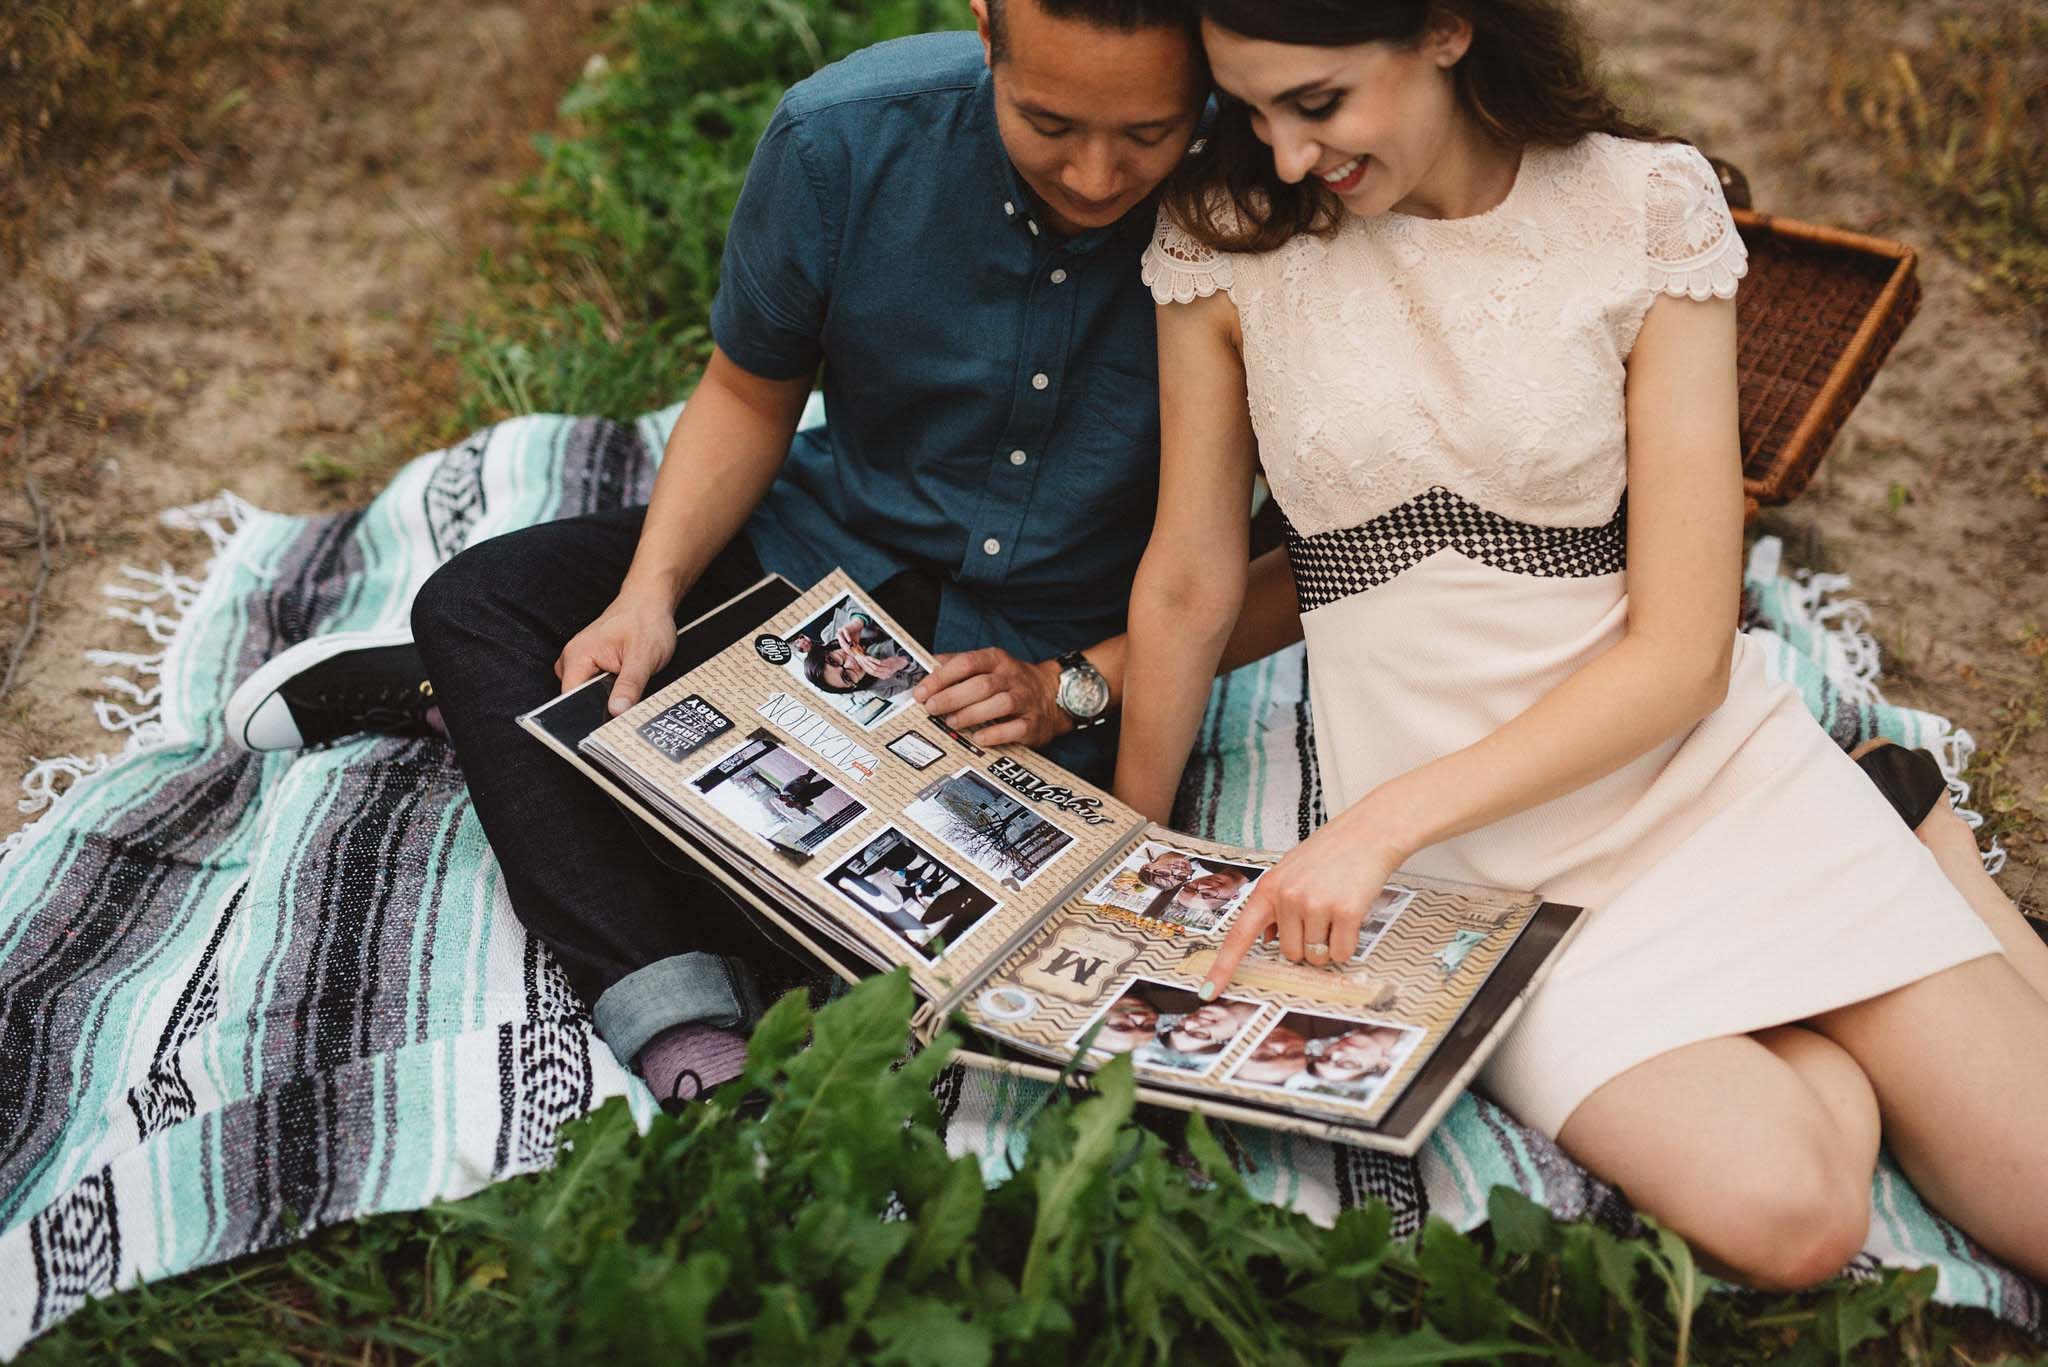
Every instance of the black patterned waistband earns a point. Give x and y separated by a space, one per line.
1339 564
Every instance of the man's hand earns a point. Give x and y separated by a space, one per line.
633 638
1010 701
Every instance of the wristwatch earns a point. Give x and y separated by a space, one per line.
1084 693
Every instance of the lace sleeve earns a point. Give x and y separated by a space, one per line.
1180 269
1692 243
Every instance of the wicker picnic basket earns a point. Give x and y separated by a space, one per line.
1816 316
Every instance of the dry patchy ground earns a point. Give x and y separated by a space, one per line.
262 311
262 315
1935 498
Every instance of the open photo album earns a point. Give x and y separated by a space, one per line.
782 751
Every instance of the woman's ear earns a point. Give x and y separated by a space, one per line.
1447 38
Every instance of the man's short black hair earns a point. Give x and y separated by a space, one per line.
1124 16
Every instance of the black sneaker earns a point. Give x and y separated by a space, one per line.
342 684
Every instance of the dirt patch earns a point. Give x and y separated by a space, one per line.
1933 499
261 312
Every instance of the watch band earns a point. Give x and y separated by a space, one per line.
1074 662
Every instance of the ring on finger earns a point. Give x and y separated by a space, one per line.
1318 950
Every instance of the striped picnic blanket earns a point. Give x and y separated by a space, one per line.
243 997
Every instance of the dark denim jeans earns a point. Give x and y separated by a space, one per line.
647 940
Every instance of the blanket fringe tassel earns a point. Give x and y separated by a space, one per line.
1846 624
156 601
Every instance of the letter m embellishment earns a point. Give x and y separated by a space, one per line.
1084 970
1079 963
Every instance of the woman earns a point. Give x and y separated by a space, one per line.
858 657
1456 305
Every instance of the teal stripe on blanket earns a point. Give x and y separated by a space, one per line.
242 997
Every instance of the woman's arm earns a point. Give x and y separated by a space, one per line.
1668 671
1191 582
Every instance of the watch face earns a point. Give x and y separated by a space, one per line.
1084 693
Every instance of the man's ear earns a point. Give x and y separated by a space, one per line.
988 51
1446 41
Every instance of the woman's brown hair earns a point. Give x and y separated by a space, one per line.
1527 78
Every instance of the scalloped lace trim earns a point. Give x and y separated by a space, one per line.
1180 270
1711 277
1690 237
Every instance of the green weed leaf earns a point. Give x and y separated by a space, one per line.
1428 1345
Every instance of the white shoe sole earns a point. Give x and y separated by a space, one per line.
259 718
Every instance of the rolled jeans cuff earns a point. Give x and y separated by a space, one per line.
680 990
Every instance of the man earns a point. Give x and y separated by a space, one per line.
952 228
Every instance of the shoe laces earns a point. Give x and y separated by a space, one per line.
389 701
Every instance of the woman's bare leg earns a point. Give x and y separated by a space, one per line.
1758 1149
1954 846
1959 1062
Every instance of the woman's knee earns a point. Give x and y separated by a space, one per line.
1794 1220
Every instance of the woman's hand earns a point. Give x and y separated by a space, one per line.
633 638
1315 900
1011 701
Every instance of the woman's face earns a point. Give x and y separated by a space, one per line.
842 672
1371 121
1354 1055
1206 1029
1210 892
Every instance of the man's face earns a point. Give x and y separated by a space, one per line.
1130 1015
1169 870
1093 119
1211 891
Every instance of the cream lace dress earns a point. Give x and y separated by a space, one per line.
1439 409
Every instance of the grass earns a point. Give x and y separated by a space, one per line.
86 83
1956 96
832 1226
727 1237
2012 814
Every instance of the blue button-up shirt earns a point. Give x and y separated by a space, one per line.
991 388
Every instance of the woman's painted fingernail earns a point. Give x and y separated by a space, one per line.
1208 992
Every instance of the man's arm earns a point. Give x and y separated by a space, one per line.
731 440
1015 701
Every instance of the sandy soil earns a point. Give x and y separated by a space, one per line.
263 316
1933 499
264 319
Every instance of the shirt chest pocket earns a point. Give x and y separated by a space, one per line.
1104 471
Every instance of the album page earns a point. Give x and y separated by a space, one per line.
1117 968
800 750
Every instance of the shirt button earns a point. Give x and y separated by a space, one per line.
1040 380
992 547
1018 457
1010 207
1034 226
1059 277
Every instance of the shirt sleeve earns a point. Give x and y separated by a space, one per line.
775 276
1689 236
